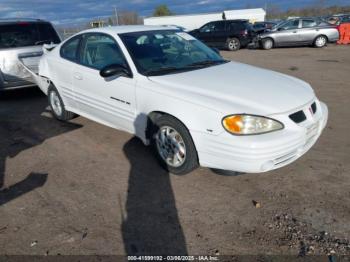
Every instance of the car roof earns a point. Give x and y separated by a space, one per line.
230 20
19 20
306 17
128 29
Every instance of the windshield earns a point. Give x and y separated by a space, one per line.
167 51
27 34
278 24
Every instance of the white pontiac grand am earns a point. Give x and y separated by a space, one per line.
183 98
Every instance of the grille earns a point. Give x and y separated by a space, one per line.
284 159
298 117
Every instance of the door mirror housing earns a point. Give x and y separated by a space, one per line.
115 70
281 29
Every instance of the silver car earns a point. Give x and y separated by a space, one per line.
22 39
299 32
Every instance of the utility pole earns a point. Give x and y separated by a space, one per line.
116 15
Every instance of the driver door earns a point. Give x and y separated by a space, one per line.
206 33
288 34
109 101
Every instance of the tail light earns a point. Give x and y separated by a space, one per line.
23 23
244 33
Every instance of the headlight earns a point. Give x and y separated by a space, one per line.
250 124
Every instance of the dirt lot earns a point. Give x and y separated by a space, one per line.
83 188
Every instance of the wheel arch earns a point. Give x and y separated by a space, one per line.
268 38
148 123
233 36
152 116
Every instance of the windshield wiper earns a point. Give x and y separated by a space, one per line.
42 42
164 70
207 62
172 69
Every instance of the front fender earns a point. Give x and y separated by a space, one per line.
195 117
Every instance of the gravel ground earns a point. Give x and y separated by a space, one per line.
82 188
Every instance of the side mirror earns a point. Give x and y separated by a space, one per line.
114 70
280 29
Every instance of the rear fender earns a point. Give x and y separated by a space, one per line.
42 81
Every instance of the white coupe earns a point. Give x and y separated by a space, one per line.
183 98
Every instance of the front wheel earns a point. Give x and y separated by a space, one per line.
320 41
57 106
267 43
173 145
233 44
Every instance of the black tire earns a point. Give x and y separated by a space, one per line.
191 159
64 115
233 44
320 41
267 43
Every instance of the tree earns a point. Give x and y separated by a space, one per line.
110 21
128 18
162 10
273 11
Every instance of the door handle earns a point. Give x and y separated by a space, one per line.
78 76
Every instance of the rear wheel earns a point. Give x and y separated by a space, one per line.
267 43
320 41
57 105
173 145
233 44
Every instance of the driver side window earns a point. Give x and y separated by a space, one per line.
207 28
99 51
293 24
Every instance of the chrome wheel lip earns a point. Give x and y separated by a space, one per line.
171 146
56 104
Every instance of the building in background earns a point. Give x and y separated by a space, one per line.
97 23
194 21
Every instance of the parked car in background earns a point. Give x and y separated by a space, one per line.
227 34
299 32
176 94
22 37
181 28
261 27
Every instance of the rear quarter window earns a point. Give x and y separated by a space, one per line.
69 50
22 34
239 26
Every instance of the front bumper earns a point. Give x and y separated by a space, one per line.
261 153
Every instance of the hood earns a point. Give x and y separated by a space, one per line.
235 86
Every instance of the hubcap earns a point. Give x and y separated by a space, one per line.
321 41
268 44
233 44
55 103
171 146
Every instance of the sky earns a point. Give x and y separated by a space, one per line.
62 12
